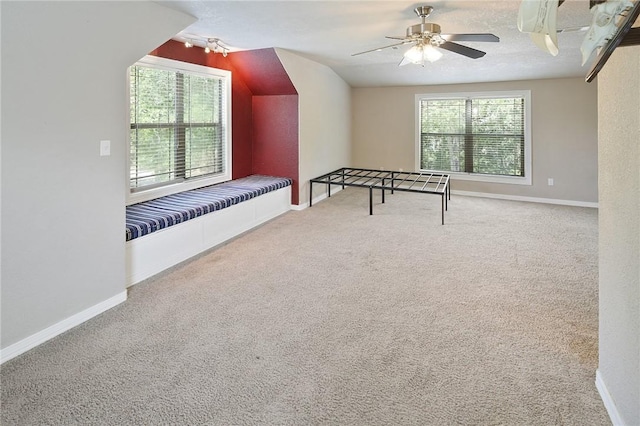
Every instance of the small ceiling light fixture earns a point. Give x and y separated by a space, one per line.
217 46
210 45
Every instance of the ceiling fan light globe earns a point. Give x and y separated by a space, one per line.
419 54
415 54
431 54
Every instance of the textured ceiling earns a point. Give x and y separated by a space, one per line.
329 32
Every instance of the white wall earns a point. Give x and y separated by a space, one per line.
63 90
619 235
564 135
324 102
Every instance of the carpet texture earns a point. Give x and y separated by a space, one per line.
332 316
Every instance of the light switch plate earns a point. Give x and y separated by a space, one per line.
105 148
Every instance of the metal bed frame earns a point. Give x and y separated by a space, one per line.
387 180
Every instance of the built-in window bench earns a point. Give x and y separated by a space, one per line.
163 232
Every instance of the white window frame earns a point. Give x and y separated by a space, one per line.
515 180
171 65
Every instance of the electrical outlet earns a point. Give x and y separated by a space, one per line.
550 181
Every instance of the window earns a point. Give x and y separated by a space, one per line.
475 136
179 127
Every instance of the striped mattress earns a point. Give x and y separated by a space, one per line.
150 216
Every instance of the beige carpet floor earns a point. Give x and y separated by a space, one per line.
332 316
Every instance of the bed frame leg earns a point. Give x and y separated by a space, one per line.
393 178
443 197
370 201
447 195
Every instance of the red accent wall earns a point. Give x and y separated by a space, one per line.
264 109
275 137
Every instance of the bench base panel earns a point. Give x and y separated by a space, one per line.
153 253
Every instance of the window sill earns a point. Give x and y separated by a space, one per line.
509 180
162 191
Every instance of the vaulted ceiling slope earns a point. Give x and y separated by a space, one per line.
329 32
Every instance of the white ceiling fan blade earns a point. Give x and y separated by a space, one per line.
397 37
381 48
471 37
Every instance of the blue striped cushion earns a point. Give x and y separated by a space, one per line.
150 216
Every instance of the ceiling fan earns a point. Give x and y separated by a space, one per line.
426 39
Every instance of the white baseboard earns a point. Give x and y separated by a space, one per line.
334 190
614 416
48 333
527 199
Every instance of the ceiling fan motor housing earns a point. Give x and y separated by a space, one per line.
419 30
429 33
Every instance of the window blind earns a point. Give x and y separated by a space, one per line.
177 126
473 135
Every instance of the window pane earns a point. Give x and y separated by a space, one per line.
499 155
153 95
202 102
498 116
443 128
498 136
444 153
443 116
152 159
203 157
